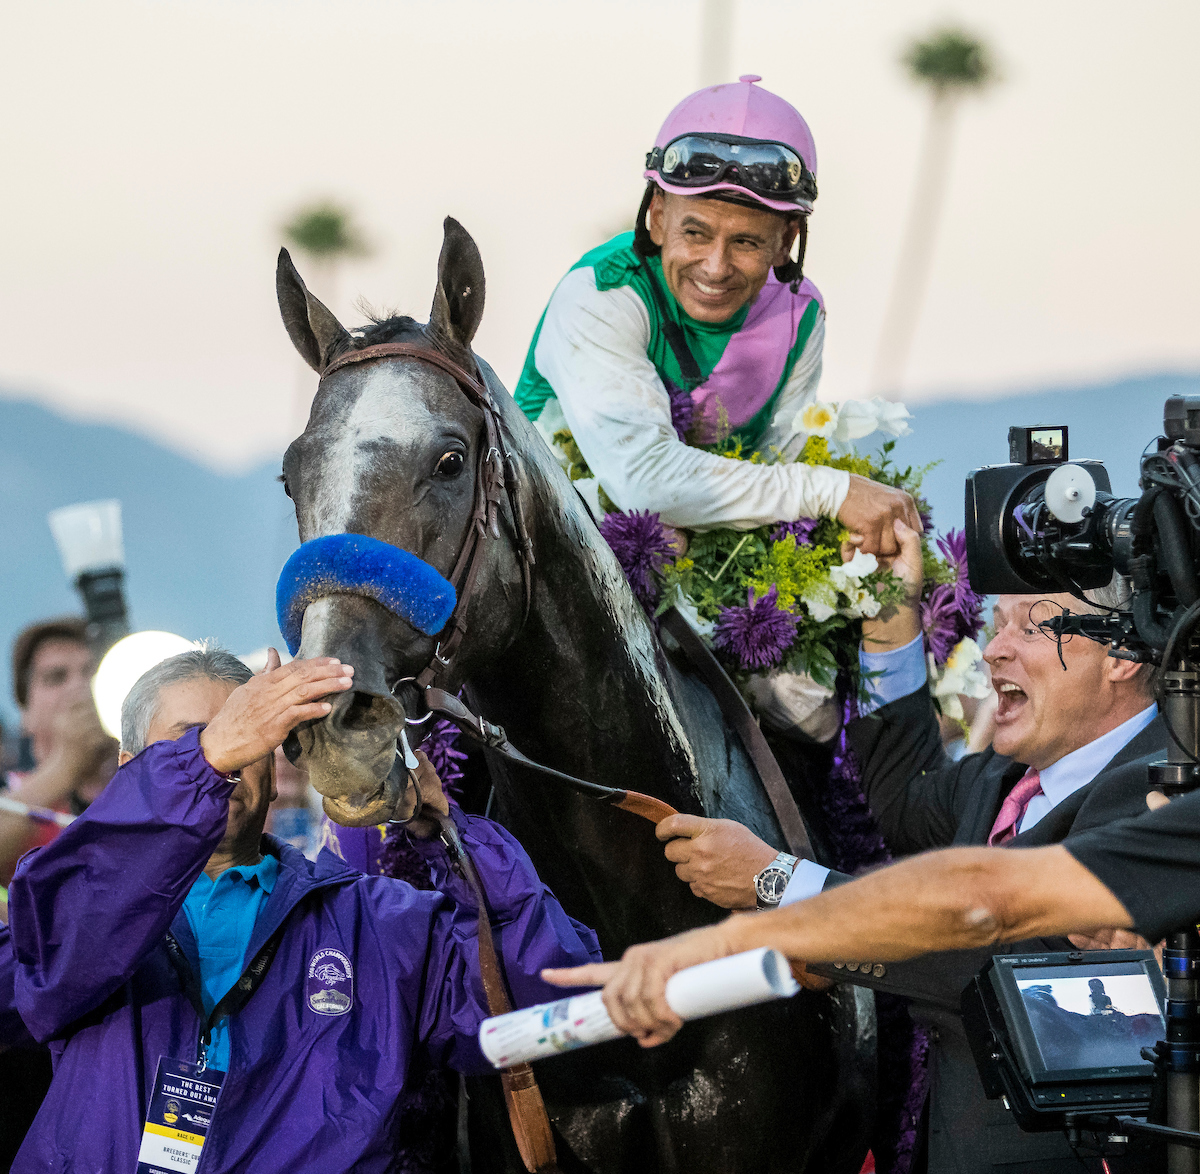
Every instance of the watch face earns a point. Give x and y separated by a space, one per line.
771 884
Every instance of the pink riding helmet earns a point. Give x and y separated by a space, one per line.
739 108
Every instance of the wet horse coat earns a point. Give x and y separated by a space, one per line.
581 684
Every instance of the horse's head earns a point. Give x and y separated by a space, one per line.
391 451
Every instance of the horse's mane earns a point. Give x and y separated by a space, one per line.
382 328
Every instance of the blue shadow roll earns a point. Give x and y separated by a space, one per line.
356 564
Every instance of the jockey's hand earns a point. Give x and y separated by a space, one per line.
433 798
635 989
868 513
258 715
717 858
900 624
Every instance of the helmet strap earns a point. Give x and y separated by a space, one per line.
643 245
793 271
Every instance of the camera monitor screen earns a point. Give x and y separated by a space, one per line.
1038 444
1100 1018
1046 444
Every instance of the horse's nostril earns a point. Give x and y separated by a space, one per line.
357 715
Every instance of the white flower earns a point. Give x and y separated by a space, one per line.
846 576
859 418
962 675
821 600
817 419
864 603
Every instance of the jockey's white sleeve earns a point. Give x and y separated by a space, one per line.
592 352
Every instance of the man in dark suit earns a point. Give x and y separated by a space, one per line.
1065 758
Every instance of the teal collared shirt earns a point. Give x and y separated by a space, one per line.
222 915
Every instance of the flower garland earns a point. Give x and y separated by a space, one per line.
779 598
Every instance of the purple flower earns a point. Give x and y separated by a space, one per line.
642 545
683 411
755 636
970 605
940 620
441 748
397 856
801 529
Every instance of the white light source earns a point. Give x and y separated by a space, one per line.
88 536
123 664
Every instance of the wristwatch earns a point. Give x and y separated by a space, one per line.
770 884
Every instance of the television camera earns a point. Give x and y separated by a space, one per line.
1047 523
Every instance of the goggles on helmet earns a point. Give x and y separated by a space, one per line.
772 170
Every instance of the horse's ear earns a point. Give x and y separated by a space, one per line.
313 329
458 298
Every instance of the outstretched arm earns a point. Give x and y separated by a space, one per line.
954 899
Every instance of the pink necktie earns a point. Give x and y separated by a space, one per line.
1013 808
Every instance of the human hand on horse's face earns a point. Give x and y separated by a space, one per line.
635 989
259 714
869 511
425 781
717 858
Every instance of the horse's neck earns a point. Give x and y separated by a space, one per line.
585 683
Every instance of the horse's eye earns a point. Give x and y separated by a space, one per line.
451 463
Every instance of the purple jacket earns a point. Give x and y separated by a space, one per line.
305 1090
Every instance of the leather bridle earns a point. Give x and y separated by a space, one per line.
496 474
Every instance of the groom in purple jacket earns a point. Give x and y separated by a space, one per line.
215 1001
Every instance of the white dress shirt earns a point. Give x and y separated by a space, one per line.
903 672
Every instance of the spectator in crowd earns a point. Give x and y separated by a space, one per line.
1067 755
163 932
66 757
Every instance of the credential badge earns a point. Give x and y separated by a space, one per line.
330 984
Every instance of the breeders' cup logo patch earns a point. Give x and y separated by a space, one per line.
330 985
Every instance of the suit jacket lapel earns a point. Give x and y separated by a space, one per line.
991 790
1055 825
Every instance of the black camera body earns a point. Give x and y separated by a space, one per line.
1002 555
1045 523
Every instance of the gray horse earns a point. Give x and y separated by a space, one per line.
582 684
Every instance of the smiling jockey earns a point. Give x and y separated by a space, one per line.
700 322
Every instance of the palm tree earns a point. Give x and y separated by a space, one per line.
951 64
326 232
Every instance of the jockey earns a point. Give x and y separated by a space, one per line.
700 324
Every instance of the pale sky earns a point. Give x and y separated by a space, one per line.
151 149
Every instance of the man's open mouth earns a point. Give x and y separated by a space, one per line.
1012 700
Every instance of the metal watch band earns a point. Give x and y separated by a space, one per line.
782 866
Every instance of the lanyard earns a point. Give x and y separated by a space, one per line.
234 999
688 367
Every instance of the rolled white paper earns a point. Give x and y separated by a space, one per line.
742 980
